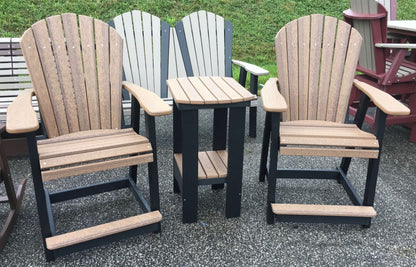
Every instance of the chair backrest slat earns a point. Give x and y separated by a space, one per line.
146 39
63 70
176 65
71 61
206 44
316 61
46 56
90 69
75 62
315 55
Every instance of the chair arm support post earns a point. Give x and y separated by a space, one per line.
242 78
254 82
380 125
135 115
152 166
361 110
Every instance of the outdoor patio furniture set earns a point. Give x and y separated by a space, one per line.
79 65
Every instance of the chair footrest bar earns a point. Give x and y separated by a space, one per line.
323 210
102 230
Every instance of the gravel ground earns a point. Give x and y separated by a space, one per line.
246 241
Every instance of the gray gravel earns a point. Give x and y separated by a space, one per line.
245 241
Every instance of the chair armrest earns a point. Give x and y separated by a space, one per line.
382 100
21 117
272 100
253 69
149 101
395 46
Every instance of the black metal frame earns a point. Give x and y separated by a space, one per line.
271 136
44 199
185 135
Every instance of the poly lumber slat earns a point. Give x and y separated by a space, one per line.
116 66
238 88
328 141
125 27
51 75
64 72
187 28
203 29
90 69
329 33
140 34
75 60
103 72
191 92
215 90
213 43
203 91
293 68
148 53
218 163
339 132
95 155
95 167
102 230
329 152
324 210
200 57
33 61
221 45
156 31
206 164
338 63
282 61
304 49
227 89
349 74
88 145
177 91
83 135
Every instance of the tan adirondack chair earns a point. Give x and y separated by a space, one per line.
205 43
75 63
382 63
305 113
13 198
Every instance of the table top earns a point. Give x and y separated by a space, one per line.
207 90
404 25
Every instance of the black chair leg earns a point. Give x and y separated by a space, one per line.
265 147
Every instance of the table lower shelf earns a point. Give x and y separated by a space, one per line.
211 164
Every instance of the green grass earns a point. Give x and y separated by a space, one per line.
255 22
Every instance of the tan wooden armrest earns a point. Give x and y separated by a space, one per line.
149 101
253 69
395 46
21 118
272 100
382 100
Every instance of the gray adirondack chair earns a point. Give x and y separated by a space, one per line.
205 42
306 107
75 64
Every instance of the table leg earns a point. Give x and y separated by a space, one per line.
235 161
177 141
189 165
219 141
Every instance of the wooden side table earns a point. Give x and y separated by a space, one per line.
221 165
